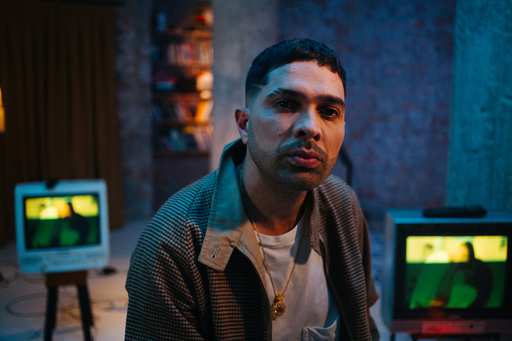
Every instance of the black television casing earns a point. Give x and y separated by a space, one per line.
431 321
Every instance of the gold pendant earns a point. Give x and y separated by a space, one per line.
278 307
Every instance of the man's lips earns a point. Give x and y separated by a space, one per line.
305 158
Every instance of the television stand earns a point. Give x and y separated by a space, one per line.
467 337
53 281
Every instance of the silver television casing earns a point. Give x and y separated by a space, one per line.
62 259
416 326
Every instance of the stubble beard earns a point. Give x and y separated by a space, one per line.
276 168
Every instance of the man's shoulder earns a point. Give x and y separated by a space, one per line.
184 214
194 196
335 195
335 187
333 179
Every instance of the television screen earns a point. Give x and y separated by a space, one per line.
456 271
61 221
62 228
447 275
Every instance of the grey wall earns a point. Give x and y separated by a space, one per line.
242 29
134 100
480 168
398 57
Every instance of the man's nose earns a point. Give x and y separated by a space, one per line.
307 125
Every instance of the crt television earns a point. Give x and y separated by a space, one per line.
447 275
62 228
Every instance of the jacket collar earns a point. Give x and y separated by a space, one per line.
228 225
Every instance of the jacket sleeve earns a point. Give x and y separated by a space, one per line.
162 302
364 246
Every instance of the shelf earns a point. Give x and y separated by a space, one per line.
181 126
180 153
181 33
189 65
173 95
181 123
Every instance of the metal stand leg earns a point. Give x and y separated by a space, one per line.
85 309
53 281
51 312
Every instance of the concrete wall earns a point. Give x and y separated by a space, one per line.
134 98
398 56
480 169
242 29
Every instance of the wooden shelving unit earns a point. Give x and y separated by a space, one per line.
181 108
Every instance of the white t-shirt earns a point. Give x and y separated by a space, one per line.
311 313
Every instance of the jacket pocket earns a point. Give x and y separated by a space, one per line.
321 334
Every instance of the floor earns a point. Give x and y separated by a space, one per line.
23 296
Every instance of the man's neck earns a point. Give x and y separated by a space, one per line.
275 210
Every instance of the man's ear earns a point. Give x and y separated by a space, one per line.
242 122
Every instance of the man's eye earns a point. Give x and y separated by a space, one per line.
329 112
284 104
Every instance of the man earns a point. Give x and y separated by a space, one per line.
268 246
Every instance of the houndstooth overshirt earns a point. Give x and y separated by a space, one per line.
197 272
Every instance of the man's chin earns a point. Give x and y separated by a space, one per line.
303 181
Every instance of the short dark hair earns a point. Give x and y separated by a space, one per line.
286 52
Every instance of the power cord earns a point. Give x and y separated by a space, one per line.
17 274
112 304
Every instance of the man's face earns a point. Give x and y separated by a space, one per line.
296 126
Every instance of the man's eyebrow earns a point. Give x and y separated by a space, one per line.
301 95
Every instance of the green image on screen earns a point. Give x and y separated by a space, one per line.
455 272
61 221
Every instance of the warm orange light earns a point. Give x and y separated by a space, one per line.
2 114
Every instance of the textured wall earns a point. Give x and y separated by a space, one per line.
398 56
480 168
134 96
241 30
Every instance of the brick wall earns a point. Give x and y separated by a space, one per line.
134 100
398 57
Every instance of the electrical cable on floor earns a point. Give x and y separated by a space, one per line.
72 310
35 279
67 311
38 295
64 311
20 299
6 281
37 333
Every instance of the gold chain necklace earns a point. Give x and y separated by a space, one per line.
277 307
